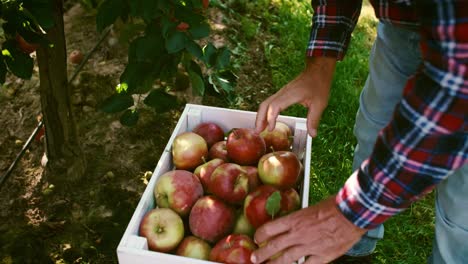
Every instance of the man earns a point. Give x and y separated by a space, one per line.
411 127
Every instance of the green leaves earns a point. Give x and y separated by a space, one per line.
163 38
129 117
108 12
19 63
199 31
116 103
273 204
161 101
198 85
3 70
175 41
218 58
41 12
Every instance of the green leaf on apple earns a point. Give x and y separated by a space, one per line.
273 204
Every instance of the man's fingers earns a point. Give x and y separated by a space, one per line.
290 255
313 120
314 260
271 247
272 229
261 118
272 114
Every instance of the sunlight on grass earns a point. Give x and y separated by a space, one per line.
408 236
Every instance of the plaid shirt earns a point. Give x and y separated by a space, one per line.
427 138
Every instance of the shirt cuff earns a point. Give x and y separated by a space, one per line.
329 40
358 205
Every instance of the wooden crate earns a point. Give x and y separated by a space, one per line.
133 249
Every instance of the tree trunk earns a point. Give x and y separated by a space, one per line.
63 150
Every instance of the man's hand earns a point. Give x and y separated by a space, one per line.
311 89
320 232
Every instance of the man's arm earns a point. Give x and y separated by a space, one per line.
428 136
332 24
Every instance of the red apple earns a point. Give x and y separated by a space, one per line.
211 219
210 131
244 146
243 226
204 171
280 168
189 150
283 127
194 247
218 150
205 3
163 229
182 26
262 205
230 183
278 139
252 174
178 190
25 46
290 201
76 57
233 249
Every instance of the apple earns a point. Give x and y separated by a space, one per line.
252 174
290 201
182 26
205 3
244 146
76 57
25 46
262 205
178 190
204 171
210 131
233 249
218 150
243 226
189 151
163 229
278 139
230 182
194 247
281 169
211 219
283 127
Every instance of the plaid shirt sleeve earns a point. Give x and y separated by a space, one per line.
427 138
332 24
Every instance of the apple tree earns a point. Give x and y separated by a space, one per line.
166 43
37 25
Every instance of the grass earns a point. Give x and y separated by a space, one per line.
284 29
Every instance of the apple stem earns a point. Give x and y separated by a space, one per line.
204 159
159 229
272 149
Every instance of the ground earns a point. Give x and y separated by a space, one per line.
84 222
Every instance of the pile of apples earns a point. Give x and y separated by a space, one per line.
221 190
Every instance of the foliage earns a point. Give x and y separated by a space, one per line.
23 24
164 45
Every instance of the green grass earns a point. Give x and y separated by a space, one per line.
285 28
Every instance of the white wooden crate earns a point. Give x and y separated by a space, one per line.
133 249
